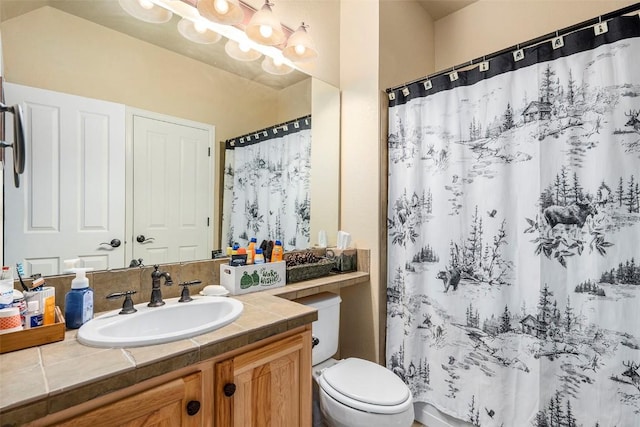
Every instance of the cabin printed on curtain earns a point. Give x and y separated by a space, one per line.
513 294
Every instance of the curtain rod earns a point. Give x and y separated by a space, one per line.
279 125
529 43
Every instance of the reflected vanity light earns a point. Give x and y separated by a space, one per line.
197 32
303 49
241 51
264 27
146 10
300 46
226 12
274 66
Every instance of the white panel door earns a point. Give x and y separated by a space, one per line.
172 191
71 198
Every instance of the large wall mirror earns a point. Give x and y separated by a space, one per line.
94 49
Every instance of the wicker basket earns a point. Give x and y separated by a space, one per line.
298 273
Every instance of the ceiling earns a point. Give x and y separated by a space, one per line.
441 8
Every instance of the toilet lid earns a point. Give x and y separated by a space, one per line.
366 382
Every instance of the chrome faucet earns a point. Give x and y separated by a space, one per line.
156 292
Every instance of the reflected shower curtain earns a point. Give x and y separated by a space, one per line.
266 186
513 288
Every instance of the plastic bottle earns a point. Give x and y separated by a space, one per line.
234 249
34 317
259 257
78 303
251 250
278 252
6 287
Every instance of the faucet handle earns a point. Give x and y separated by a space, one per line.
185 296
127 305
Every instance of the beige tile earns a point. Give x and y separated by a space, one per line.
83 393
226 332
22 386
21 359
145 355
85 366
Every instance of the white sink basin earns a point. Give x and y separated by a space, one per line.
155 325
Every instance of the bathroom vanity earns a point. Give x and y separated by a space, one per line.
256 369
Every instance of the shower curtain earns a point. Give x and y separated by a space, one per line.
513 288
266 185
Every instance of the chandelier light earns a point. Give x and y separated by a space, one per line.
226 12
265 28
197 31
146 11
300 46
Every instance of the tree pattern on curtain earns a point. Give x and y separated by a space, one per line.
266 189
513 294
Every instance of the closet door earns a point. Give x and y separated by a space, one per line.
172 191
70 203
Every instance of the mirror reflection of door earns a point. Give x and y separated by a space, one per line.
172 190
58 214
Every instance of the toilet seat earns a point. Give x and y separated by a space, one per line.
366 386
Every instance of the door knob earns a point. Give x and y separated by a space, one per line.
229 389
141 239
193 407
114 243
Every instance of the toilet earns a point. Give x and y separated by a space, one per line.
352 392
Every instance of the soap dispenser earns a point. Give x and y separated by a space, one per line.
78 303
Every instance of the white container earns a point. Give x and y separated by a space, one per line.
252 278
10 320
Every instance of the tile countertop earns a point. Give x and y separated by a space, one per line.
41 380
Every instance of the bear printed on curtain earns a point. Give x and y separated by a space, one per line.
513 295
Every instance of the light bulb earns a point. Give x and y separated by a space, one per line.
244 46
300 49
145 4
200 27
221 6
266 31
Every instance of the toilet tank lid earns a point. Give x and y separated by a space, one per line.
321 300
367 382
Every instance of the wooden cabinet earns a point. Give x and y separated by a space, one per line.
269 386
175 403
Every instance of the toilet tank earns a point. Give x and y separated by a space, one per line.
326 328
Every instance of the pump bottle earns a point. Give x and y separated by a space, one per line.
78 303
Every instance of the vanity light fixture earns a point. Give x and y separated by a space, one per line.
241 51
146 11
274 66
300 46
264 27
226 12
197 32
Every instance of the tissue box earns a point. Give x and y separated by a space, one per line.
251 278
346 259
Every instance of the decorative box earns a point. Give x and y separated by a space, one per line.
251 278
345 259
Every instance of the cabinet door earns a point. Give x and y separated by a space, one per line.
163 406
266 387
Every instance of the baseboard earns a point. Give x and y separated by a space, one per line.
431 417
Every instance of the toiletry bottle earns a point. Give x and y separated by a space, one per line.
78 303
234 249
251 250
278 252
34 317
6 287
259 258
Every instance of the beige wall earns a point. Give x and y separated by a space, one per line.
51 49
360 161
406 42
489 26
